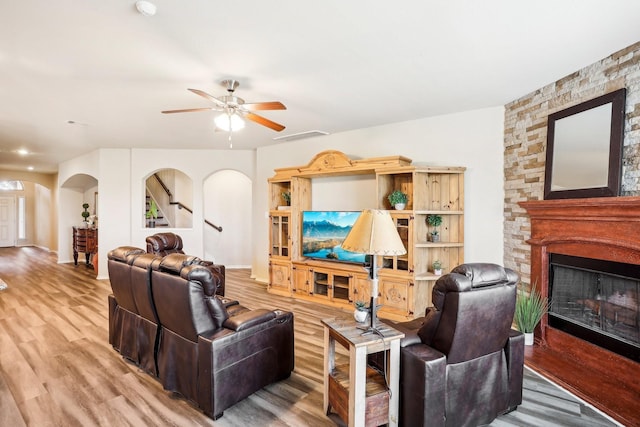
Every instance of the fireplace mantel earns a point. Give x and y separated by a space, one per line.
607 229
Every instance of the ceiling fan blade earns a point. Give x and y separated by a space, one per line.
264 121
209 97
257 106
187 110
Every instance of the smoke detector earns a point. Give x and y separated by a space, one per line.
146 8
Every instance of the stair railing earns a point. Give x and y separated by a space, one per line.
180 204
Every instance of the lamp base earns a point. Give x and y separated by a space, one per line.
366 330
371 329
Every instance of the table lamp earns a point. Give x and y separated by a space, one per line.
374 233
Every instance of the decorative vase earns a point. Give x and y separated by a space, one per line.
360 315
528 338
399 206
434 237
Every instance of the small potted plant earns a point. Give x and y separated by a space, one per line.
152 213
286 196
434 221
398 199
530 307
361 312
437 267
85 214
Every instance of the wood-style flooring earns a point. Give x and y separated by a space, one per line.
58 369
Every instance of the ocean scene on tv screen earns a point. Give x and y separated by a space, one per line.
324 231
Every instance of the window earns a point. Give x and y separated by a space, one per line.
11 185
22 227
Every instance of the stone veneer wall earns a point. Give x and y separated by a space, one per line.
525 140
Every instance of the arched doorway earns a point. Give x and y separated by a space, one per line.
227 203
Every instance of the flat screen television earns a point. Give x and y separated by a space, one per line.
323 233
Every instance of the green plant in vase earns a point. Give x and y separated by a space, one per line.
85 214
437 267
361 312
286 196
530 307
434 221
398 199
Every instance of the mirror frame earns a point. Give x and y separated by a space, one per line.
616 138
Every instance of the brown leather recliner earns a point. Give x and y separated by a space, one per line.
166 243
215 352
462 364
133 323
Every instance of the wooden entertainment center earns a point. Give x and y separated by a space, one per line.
405 282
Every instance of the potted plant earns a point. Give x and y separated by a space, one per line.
286 196
85 214
361 312
434 221
530 307
152 213
437 267
398 199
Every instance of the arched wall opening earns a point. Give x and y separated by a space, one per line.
77 190
171 192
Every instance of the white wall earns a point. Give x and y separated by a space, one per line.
473 139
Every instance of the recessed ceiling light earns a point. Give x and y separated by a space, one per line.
146 8
30 168
23 152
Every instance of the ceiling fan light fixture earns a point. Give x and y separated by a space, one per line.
229 122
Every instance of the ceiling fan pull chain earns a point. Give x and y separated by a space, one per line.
230 143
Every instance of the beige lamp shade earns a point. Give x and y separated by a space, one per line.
374 233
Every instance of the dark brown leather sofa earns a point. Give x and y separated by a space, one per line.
212 350
133 323
163 244
215 352
462 364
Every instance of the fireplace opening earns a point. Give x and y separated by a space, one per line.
597 301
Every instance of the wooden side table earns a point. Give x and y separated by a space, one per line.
84 240
346 333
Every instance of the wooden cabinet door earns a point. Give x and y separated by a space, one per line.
280 277
395 295
361 288
300 285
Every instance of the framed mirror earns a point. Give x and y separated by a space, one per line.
584 149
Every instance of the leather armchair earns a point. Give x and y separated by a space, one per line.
163 244
462 364
213 351
133 323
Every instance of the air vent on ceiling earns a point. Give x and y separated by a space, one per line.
301 135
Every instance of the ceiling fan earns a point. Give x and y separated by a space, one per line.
234 108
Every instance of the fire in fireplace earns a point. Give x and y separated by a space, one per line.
597 301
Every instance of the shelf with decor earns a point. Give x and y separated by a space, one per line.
405 281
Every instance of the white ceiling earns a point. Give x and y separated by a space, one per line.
336 64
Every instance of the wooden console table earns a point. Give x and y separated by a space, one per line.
84 240
347 333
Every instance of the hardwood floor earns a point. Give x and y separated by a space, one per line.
58 369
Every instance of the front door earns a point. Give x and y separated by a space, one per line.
7 222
